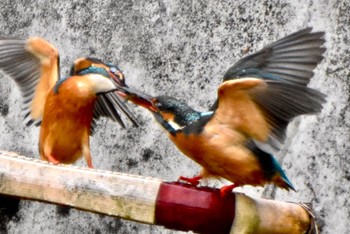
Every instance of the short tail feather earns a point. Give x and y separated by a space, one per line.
272 169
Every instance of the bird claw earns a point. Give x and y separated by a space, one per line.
193 181
89 163
226 190
52 160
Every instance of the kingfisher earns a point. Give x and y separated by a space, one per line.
259 96
65 108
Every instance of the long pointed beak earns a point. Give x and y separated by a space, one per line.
137 97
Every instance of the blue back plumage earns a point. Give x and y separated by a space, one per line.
257 73
206 114
94 70
279 170
86 71
58 84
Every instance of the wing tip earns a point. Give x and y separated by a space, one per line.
41 48
303 48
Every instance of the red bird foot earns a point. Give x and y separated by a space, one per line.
193 181
89 163
226 190
52 160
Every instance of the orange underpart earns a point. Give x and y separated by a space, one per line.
193 181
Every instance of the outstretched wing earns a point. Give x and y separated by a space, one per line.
34 66
290 59
282 71
261 109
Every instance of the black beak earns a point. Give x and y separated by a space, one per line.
137 97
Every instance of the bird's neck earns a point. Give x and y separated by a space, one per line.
187 121
187 117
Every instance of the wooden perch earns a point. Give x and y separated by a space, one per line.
173 205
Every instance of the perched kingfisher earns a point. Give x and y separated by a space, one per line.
66 108
259 96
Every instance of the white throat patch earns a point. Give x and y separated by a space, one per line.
100 84
175 126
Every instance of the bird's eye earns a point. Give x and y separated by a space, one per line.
113 70
158 105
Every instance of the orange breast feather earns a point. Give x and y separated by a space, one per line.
221 153
66 122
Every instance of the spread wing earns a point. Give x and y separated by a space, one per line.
261 109
290 59
282 71
34 66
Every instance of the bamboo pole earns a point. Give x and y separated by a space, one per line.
147 200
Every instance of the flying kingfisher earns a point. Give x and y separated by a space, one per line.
66 108
259 96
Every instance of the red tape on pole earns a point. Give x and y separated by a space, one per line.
202 210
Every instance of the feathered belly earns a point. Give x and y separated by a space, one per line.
222 156
64 132
67 142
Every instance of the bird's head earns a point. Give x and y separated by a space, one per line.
103 77
83 66
115 79
171 113
177 113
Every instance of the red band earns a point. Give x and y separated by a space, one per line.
202 210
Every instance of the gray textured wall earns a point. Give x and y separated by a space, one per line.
183 48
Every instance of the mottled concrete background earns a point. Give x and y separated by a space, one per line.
183 48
